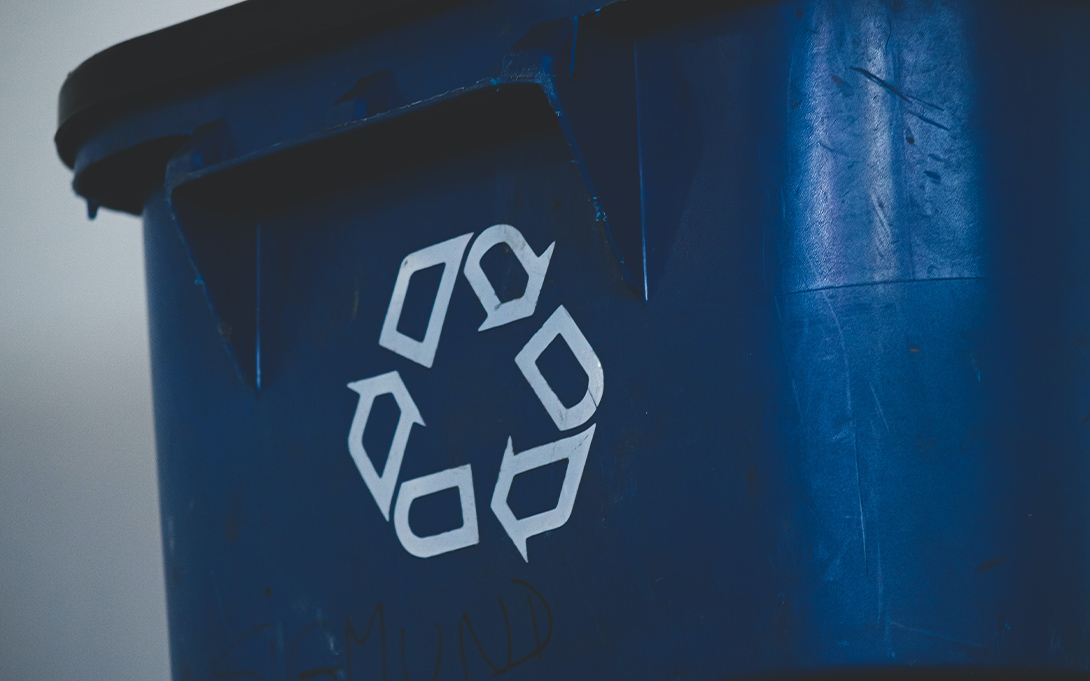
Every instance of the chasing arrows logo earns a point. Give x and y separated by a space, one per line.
575 448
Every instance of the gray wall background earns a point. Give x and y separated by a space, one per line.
81 578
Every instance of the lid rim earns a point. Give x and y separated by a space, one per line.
235 39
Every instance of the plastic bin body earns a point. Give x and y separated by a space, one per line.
829 260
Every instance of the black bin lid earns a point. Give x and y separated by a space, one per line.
192 54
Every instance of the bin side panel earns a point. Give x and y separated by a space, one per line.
847 427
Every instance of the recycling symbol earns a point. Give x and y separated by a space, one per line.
575 448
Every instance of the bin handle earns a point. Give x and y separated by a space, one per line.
585 68
579 72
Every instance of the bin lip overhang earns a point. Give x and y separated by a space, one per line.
209 48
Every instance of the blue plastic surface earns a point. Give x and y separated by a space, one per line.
831 256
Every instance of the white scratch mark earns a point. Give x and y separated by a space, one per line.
862 520
851 417
884 234
878 404
942 637
881 585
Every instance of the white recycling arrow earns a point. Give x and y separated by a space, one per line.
448 254
575 449
382 485
561 324
460 478
497 313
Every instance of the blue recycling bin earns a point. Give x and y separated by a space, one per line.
553 340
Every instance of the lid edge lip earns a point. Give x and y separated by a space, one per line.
145 69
